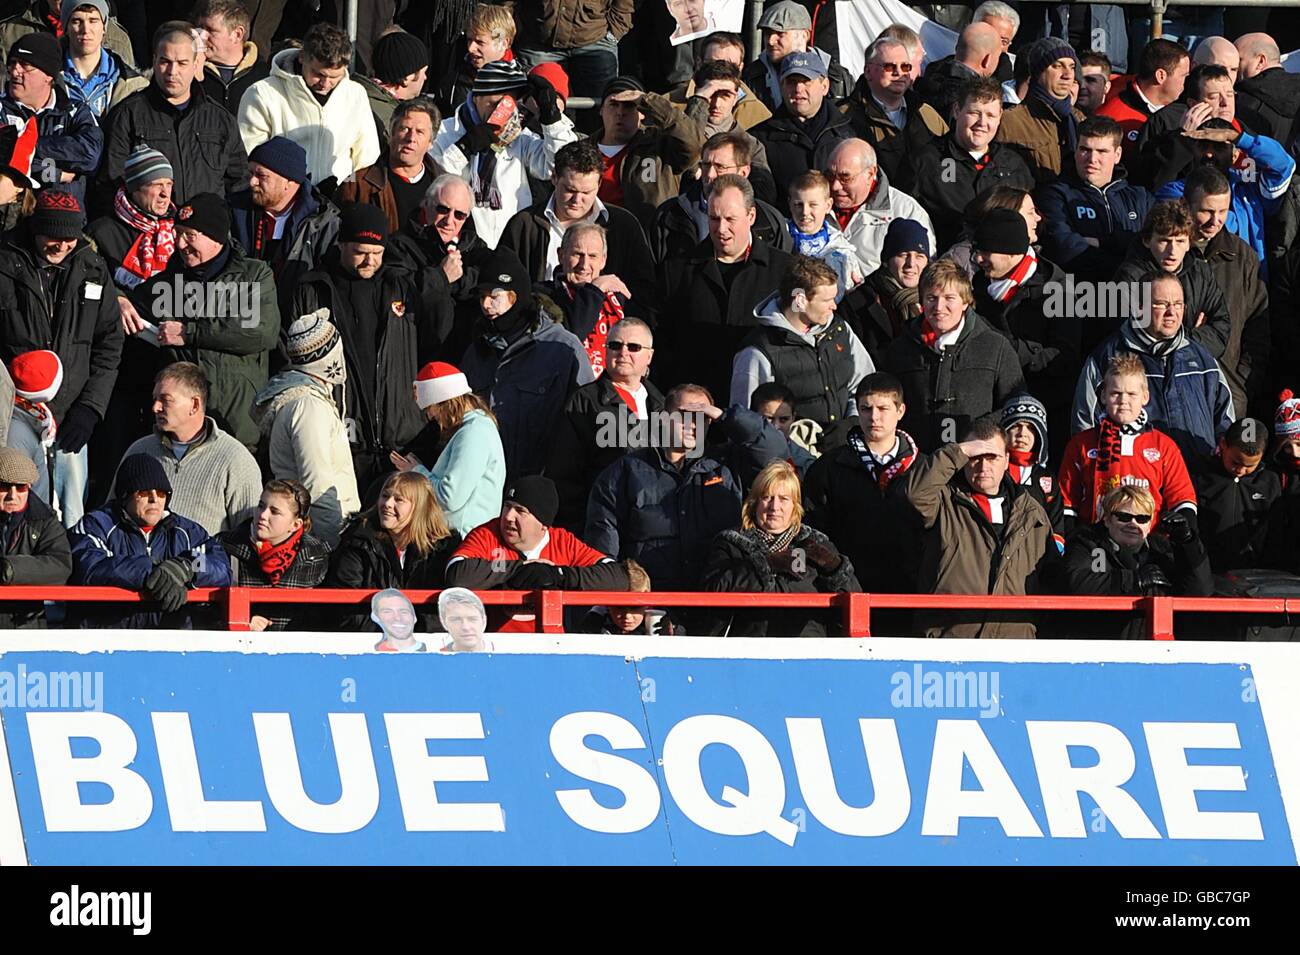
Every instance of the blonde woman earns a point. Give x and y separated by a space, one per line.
470 474
1119 555
403 542
773 551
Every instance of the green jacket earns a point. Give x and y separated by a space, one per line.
230 324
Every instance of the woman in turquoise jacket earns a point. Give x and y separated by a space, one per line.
469 476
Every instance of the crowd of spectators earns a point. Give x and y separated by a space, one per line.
299 311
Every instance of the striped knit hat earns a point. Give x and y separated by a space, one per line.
144 166
499 76
1030 410
313 346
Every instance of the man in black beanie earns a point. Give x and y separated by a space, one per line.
522 551
400 63
1012 288
216 307
59 295
526 363
388 332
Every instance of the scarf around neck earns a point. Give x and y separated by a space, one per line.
1114 441
153 247
483 180
1063 110
42 417
1003 289
883 473
775 543
810 245
275 559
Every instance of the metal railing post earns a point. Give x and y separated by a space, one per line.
550 610
754 35
238 609
1157 19
1160 618
857 615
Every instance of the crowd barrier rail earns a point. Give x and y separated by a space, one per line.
236 603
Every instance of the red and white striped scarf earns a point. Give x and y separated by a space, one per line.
1000 290
154 246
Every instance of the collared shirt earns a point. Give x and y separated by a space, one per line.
896 116
536 552
1151 107
558 229
884 459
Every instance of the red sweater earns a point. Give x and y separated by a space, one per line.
1128 110
1151 460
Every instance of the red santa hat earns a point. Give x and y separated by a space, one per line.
37 375
438 382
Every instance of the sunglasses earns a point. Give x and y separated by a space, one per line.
6 486
633 347
1124 517
441 210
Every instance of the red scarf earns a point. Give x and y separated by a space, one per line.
1004 289
277 558
611 312
156 242
982 500
1021 461
629 399
43 416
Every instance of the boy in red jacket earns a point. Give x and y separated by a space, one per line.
1123 449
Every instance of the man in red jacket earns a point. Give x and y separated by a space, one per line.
1162 70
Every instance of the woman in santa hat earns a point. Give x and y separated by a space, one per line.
470 473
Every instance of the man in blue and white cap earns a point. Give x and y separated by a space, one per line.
787 29
806 127
497 156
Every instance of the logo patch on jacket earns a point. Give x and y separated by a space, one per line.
399 308
1045 482
716 479
1151 454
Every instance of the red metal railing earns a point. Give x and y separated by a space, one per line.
549 605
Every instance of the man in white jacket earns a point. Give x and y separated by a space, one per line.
498 173
310 99
865 203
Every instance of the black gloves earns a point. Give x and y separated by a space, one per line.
169 583
1177 526
477 139
6 571
1152 581
823 556
782 562
548 101
536 576
76 428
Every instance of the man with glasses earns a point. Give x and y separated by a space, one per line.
865 202
440 243
604 420
1189 396
885 111
805 128
682 222
33 545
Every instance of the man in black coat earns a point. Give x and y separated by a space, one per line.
604 420
708 297
682 222
376 307
805 129
174 115
59 295
954 368
948 176
1265 89
535 233
1235 494
1015 292
231 62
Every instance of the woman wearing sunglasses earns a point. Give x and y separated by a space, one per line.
1119 556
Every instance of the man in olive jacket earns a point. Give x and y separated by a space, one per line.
984 534
57 293
216 307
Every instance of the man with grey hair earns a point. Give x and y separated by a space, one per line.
884 110
440 243
865 203
392 612
979 48
617 403
174 116
463 616
1268 97
708 296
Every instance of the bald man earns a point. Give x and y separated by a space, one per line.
865 202
1218 50
978 50
1268 97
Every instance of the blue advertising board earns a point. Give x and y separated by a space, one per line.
227 757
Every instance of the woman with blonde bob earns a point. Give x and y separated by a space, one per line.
469 476
773 551
1119 555
402 542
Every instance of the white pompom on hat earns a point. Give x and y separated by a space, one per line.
438 382
37 375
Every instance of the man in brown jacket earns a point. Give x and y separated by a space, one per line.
984 534
397 183
581 34
1043 129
